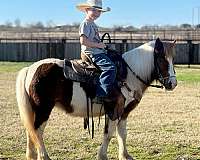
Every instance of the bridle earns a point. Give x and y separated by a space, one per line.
148 84
157 73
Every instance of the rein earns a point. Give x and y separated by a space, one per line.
138 77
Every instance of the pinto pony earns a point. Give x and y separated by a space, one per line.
42 86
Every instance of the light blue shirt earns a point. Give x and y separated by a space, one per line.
90 30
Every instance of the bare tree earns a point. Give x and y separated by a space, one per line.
8 24
185 25
17 23
50 24
39 25
198 26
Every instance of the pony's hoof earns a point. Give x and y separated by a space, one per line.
128 157
102 158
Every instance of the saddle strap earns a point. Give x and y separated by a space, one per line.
92 119
87 119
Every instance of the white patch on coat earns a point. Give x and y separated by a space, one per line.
79 102
172 75
141 60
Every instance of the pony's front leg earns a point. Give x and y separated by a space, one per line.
102 154
121 136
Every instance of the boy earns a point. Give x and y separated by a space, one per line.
92 46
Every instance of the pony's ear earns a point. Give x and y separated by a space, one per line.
158 46
174 43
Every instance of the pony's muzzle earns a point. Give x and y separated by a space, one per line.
170 83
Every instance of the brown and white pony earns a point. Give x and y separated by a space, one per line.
42 86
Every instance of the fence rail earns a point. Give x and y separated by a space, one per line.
25 49
170 34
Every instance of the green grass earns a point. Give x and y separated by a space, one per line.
12 66
183 73
188 75
166 152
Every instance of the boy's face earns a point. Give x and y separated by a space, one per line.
93 13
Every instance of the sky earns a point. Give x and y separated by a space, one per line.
123 12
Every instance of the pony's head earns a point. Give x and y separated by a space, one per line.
164 53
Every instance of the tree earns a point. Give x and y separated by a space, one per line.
39 25
50 24
8 24
17 23
76 24
198 26
129 28
117 28
185 25
150 27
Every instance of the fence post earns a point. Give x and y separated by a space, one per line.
198 55
63 48
191 53
123 47
50 48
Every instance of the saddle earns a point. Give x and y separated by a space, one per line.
84 70
80 71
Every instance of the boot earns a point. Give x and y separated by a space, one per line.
114 104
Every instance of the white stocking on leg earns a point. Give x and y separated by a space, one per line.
121 136
102 155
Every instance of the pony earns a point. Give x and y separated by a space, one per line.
42 86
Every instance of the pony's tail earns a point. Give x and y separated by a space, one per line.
26 113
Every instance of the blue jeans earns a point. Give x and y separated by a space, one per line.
108 75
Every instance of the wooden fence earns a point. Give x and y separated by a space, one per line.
34 50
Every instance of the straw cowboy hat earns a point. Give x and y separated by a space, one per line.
97 4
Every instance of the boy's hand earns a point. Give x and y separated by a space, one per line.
101 45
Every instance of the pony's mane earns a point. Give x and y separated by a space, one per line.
141 60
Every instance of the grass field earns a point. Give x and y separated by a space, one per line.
165 125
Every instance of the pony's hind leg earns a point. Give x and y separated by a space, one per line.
34 137
102 154
35 145
30 149
121 136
